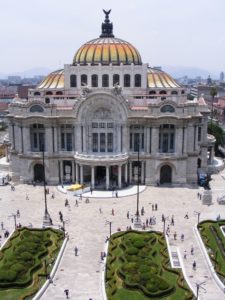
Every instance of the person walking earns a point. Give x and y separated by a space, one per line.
67 293
113 212
2 225
128 215
76 251
192 250
186 216
175 235
172 220
100 210
182 237
194 265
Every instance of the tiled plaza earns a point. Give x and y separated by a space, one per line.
88 230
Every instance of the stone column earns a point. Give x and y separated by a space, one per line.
84 137
155 140
130 171
93 177
126 173
178 141
147 139
61 170
142 172
26 139
81 174
119 138
73 175
119 176
55 138
107 177
77 173
48 138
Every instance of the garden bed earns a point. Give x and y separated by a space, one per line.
26 260
214 241
138 268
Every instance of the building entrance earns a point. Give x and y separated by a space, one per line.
100 175
166 174
38 173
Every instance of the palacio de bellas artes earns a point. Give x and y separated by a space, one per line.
105 116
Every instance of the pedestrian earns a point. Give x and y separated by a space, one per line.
76 251
80 196
53 196
186 216
50 221
113 212
2 225
91 189
128 215
152 206
192 250
116 194
156 206
18 213
175 235
142 210
163 218
143 226
27 198
185 254
66 202
150 221
67 293
200 196
194 265
172 220
76 204
100 210
182 237
132 220
146 222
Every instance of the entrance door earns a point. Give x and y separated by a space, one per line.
38 173
100 176
166 174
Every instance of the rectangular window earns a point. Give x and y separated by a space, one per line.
136 142
95 142
165 143
62 140
110 142
142 141
69 141
102 142
199 134
172 142
101 125
35 141
109 125
131 141
95 125
41 141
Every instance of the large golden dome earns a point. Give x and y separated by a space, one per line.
107 49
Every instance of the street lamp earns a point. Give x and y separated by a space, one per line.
137 219
110 227
46 219
198 286
14 216
164 224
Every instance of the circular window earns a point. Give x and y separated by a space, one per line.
36 108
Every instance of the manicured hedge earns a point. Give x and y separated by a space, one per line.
139 262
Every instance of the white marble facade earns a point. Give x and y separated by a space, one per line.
94 134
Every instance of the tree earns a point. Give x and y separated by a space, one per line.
213 93
218 133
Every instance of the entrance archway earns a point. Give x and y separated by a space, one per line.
165 174
38 173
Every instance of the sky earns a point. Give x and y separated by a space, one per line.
47 33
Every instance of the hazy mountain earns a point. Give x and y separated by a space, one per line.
191 72
28 73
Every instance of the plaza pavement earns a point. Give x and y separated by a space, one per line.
88 230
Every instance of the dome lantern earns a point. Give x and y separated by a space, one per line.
107 26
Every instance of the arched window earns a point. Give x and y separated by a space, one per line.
36 108
174 93
37 93
49 93
73 80
105 80
59 93
83 79
116 79
162 92
94 80
126 80
47 100
137 80
167 108
167 138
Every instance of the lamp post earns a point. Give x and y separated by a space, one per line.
198 214
14 216
164 224
198 286
110 227
137 219
46 218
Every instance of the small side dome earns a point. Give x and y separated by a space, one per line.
54 80
160 79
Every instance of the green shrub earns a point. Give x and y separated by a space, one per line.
139 244
163 285
132 251
7 276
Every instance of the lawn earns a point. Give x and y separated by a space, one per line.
138 268
214 242
26 260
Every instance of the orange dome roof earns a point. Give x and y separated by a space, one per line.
107 50
54 80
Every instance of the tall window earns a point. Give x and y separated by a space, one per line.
95 142
126 80
167 138
116 79
66 137
37 134
199 134
110 142
137 138
94 80
73 80
105 80
137 80
102 142
83 79
102 136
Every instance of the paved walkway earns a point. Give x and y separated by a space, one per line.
88 230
